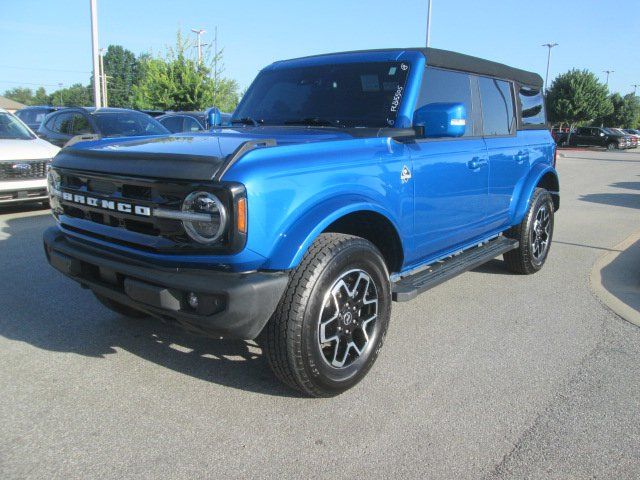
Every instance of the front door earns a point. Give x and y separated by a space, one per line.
450 175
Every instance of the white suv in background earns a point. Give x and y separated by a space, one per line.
24 161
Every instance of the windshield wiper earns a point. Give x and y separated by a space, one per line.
314 122
246 121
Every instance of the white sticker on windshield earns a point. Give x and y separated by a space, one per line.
392 71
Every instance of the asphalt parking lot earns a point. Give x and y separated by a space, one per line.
490 375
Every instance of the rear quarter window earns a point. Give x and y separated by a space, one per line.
532 107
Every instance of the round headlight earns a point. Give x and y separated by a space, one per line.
205 217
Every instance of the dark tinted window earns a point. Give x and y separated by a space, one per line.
172 123
127 124
443 86
62 123
532 107
348 94
497 106
81 125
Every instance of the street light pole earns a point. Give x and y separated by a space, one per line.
199 33
608 72
546 78
428 22
94 51
103 79
635 87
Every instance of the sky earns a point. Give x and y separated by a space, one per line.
48 42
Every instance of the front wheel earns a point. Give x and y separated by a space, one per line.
331 322
611 146
534 233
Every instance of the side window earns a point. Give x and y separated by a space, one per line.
191 125
63 123
444 86
532 107
172 123
80 125
497 106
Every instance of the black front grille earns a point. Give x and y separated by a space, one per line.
140 192
23 169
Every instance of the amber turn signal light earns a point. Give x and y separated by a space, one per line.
241 215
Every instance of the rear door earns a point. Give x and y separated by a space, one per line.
450 175
508 154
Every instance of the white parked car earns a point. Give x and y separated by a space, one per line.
24 161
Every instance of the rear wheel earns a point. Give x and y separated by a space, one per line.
534 234
119 307
331 322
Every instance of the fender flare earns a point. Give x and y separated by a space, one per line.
525 192
302 232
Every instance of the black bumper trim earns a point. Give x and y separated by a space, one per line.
247 300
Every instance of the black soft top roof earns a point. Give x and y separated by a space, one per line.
467 63
459 61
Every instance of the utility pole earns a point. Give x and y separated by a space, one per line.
200 44
103 79
428 23
546 78
60 90
94 51
608 72
635 87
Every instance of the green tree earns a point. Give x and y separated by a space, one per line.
20 94
577 97
626 111
41 97
121 68
178 81
77 95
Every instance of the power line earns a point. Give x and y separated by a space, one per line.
45 69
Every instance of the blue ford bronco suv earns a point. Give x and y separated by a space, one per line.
345 182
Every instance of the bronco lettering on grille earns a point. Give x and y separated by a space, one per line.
122 207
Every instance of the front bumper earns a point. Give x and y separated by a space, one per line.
232 305
18 191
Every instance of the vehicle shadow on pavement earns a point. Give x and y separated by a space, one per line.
628 200
48 311
621 277
495 266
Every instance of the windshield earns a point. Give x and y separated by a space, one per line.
342 95
33 116
127 124
13 129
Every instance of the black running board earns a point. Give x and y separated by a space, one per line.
407 288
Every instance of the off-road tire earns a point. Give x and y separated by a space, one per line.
291 338
522 260
120 308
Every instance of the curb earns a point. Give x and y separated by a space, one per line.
619 281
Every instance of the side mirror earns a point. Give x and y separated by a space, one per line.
441 119
602 134
214 117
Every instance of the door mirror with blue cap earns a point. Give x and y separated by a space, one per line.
214 117
441 119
